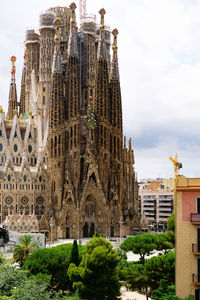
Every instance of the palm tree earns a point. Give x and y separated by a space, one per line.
24 249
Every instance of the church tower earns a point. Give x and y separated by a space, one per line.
12 101
56 128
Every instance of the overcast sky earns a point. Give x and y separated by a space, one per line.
159 60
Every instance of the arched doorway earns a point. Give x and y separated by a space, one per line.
91 229
85 230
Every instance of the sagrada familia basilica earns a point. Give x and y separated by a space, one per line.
64 162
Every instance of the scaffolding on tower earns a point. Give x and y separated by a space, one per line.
82 9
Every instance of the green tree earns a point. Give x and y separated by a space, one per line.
24 249
52 261
164 292
171 222
74 258
162 242
143 244
96 277
160 267
10 277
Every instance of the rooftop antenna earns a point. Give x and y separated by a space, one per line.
82 8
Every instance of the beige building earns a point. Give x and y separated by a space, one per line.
187 208
156 201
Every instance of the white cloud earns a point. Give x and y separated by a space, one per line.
159 59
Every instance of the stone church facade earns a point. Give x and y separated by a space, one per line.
65 167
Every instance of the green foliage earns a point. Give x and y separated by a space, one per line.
2 258
52 261
171 237
96 277
142 244
74 258
164 292
10 277
162 242
24 249
160 267
171 222
35 287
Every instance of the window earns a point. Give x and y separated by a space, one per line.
198 205
1 147
15 147
43 100
30 148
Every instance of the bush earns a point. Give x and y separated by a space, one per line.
35 287
52 261
10 277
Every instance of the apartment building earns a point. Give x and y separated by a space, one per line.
156 201
187 211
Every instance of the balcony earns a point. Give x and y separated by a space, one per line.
196 249
195 279
195 218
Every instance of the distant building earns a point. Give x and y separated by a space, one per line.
156 201
187 208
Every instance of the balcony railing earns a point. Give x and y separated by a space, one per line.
196 249
195 218
195 279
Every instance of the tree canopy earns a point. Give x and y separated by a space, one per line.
96 277
143 244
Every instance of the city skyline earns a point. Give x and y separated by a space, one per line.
159 61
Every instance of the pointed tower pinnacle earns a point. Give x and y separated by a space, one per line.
23 83
114 74
57 65
33 95
101 54
72 46
12 102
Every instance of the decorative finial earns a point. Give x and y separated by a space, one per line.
102 12
57 23
115 32
73 17
13 60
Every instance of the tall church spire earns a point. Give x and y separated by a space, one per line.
57 100
72 47
114 74
23 90
102 81
57 66
115 90
12 102
101 54
72 73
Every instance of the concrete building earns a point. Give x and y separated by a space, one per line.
187 210
65 166
156 201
